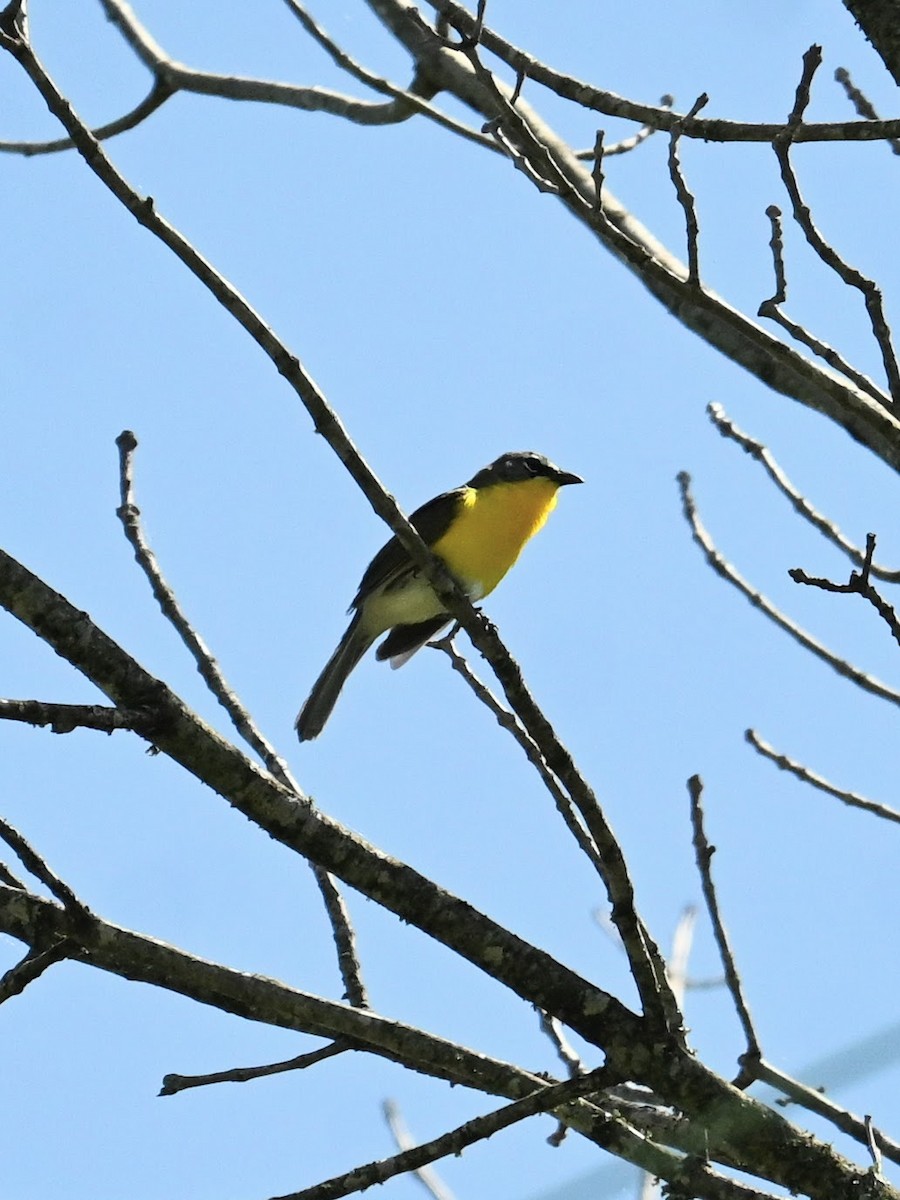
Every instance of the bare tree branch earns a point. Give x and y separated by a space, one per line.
874 1148
680 1172
861 103
507 720
682 942
173 1084
344 934
417 1158
868 683
732 1128
671 1071
129 514
626 145
136 957
858 583
429 1179
770 309
159 93
296 824
171 77
684 194
404 103
47 946
818 781
816 1101
822 524
703 852
14 981
65 718
565 1051
802 215
710 318
660 117
545 157
132 955
35 865
646 960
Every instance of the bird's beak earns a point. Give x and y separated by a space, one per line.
565 477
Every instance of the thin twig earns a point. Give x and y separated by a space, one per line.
815 1101
770 309
825 351
874 1148
35 864
426 1175
129 514
14 981
344 938
868 683
684 194
510 128
852 799
475 36
159 93
521 76
682 943
507 720
597 156
567 1054
822 524
521 162
454 1142
565 1051
802 215
584 819
626 145
64 718
861 103
582 824
776 245
703 853
858 583
346 62
417 96
172 1084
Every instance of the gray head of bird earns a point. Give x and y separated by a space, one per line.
518 465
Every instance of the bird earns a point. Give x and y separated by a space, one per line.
477 530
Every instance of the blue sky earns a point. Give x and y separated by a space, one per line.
449 312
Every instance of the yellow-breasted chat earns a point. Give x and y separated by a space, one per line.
478 530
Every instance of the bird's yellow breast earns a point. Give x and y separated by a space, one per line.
491 526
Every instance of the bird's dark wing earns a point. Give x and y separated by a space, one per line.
431 522
404 640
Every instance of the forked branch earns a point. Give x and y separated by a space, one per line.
858 583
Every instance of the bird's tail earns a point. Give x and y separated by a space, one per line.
323 697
